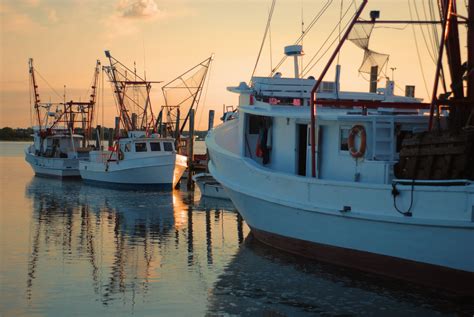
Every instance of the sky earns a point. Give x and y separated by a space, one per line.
167 37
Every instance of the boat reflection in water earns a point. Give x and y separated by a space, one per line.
120 246
262 281
171 253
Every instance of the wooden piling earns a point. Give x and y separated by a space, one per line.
210 123
190 150
111 137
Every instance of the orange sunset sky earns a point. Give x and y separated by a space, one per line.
65 37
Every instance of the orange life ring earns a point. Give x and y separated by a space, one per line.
356 130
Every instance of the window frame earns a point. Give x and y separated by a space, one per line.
144 151
153 143
165 143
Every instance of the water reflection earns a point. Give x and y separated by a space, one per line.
262 281
120 243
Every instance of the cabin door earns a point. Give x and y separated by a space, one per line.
302 148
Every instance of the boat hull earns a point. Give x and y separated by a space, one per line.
209 187
323 237
53 167
149 172
306 216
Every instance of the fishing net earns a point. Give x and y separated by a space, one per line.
132 94
360 36
184 92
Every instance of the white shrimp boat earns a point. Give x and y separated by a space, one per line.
56 155
355 190
139 161
57 149
144 153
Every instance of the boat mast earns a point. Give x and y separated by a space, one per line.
470 55
316 86
118 92
197 96
92 102
35 91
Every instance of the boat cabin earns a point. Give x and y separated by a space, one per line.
353 144
60 144
141 147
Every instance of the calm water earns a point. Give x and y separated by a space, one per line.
67 248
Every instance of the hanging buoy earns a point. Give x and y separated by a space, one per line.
357 130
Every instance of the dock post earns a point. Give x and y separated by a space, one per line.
210 123
190 150
98 134
111 137
117 128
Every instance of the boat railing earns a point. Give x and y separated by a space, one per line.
102 156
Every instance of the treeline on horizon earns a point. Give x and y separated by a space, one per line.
25 134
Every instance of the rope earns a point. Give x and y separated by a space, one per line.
270 14
47 83
312 23
423 34
418 51
205 95
339 35
310 66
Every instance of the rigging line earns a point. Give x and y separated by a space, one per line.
205 94
47 83
435 37
302 34
392 27
423 34
311 24
270 48
306 70
339 35
264 37
418 50
317 61
434 27
429 34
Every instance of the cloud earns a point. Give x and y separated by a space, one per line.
15 21
147 9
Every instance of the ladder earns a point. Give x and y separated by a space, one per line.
383 140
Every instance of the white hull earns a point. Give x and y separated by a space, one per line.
210 187
310 211
53 167
156 170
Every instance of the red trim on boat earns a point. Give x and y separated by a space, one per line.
460 282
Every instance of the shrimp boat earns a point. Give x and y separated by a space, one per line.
57 148
139 157
146 154
372 181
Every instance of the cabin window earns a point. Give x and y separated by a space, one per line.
168 146
155 146
140 147
127 147
344 136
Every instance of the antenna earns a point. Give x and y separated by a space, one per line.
393 71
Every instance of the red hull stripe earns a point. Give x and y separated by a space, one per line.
460 282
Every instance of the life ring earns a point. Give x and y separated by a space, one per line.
356 130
